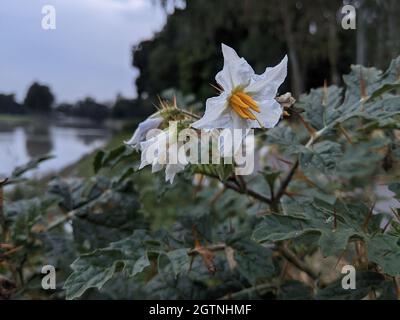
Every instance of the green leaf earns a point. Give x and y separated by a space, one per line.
360 160
24 214
270 177
395 187
323 156
385 88
383 249
179 260
320 105
365 282
278 228
98 161
31 165
334 242
324 108
93 270
254 261
287 140
113 216
111 158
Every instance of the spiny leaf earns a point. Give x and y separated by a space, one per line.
383 249
93 270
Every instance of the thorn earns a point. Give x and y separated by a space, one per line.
162 103
395 213
346 135
309 128
368 217
285 161
156 106
301 176
387 225
217 87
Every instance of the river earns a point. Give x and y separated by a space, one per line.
67 139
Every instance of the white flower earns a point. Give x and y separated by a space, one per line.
143 128
247 99
164 151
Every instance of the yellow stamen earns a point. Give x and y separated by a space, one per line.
249 114
240 111
242 103
248 100
237 101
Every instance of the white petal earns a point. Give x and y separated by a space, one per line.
236 71
215 115
266 85
238 122
226 148
171 170
156 167
142 130
271 112
152 149
144 156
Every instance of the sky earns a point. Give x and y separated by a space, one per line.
88 54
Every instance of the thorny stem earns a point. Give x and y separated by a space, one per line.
282 188
291 257
233 184
252 193
286 181
285 251
190 114
214 247
71 214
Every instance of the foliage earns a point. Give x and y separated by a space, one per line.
9 105
282 233
263 31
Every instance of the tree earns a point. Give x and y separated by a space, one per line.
184 54
9 105
39 98
129 108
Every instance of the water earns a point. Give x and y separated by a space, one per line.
67 139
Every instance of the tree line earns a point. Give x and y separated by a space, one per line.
39 99
185 53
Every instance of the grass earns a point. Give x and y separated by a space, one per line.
12 118
84 166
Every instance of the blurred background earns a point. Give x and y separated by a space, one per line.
87 83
